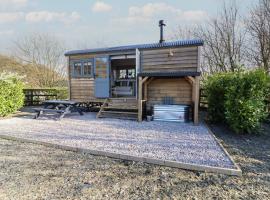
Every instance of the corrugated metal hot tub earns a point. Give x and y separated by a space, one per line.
171 113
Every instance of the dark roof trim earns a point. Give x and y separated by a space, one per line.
169 74
180 43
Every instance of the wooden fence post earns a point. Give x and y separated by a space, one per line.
196 95
140 100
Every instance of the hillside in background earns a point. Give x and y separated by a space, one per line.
32 75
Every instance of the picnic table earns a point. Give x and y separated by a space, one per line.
62 107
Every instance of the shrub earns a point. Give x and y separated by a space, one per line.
215 91
11 93
238 99
61 92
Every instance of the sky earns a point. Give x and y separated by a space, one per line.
101 23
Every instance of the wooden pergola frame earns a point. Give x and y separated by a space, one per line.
143 82
140 96
195 83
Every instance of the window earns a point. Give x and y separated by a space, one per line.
101 67
123 74
83 68
87 69
127 73
131 73
77 69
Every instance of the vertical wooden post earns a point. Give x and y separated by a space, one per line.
32 98
69 78
196 91
145 90
138 68
140 99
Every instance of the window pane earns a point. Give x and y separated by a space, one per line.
101 67
87 69
131 73
123 74
77 69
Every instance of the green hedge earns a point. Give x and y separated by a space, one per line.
238 99
61 92
11 93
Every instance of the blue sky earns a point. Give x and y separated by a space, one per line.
91 23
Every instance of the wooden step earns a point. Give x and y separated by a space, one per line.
120 108
116 107
118 112
122 104
119 115
123 101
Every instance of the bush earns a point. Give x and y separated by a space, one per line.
61 92
215 91
238 99
11 93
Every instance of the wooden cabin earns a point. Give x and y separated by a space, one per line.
129 80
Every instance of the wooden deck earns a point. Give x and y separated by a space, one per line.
121 108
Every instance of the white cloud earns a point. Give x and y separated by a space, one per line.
13 1
12 4
194 15
8 17
46 16
75 16
150 9
101 7
6 32
153 10
39 16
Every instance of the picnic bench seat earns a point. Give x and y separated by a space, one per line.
56 106
40 111
47 110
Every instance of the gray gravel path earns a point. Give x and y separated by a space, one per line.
161 140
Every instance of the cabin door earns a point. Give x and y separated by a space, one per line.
102 77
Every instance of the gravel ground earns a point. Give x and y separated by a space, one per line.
167 141
29 171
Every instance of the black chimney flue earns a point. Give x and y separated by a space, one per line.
161 24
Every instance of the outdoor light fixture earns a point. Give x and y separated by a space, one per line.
170 53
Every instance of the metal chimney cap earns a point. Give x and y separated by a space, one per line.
161 23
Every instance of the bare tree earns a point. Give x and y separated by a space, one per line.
184 32
46 54
258 27
223 37
224 40
187 33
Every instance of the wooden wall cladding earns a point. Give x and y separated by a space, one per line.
160 60
177 88
82 89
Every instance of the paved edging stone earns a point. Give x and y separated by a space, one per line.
196 167
223 148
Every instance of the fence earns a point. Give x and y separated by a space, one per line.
35 97
203 101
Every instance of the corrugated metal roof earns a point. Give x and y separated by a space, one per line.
139 46
170 74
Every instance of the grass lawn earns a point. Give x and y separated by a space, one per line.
29 171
